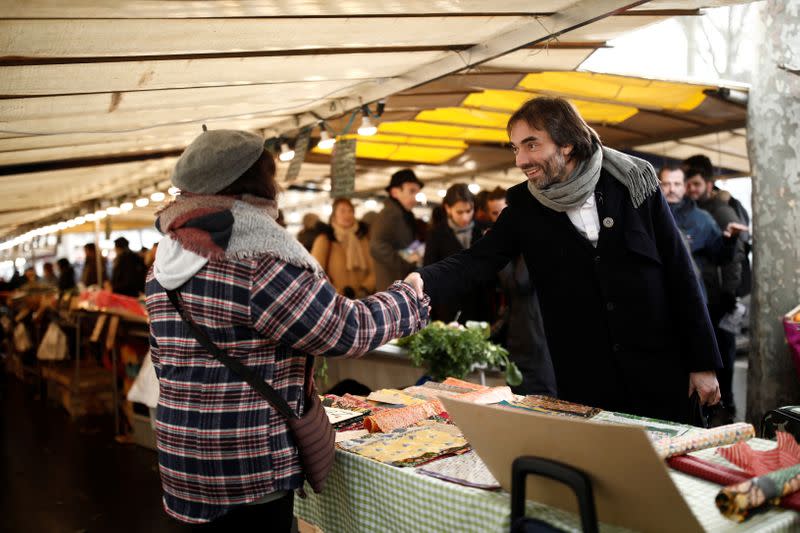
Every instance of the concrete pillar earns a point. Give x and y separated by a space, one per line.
773 135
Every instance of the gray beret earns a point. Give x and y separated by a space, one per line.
216 159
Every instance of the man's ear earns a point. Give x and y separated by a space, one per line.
566 150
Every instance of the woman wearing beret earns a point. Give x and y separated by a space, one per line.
226 456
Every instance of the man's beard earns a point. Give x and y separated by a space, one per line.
553 170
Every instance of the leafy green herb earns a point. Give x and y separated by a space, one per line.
453 350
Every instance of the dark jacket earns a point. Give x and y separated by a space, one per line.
128 274
66 278
625 321
709 248
89 273
524 332
474 304
723 281
393 230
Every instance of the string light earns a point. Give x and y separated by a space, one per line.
142 202
367 128
326 142
287 154
158 196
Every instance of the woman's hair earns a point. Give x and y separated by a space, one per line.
458 193
258 180
336 203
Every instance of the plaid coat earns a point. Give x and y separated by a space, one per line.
220 444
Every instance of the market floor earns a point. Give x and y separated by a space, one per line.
59 475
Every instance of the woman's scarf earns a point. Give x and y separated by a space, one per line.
463 235
636 174
232 227
353 251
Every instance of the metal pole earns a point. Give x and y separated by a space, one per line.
98 253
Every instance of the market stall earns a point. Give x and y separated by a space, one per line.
419 474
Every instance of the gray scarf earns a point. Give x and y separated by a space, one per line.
463 235
636 174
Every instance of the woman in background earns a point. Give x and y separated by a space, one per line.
343 251
457 233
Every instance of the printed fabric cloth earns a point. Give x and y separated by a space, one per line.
393 396
758 463
466 469
737 502
390 419
710 438
406 446
556 406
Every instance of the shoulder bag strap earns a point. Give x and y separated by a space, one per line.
234 365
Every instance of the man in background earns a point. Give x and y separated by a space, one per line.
394 230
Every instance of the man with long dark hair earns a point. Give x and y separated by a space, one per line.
623 313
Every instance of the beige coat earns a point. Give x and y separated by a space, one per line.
330 254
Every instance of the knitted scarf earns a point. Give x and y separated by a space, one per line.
636 174
353 252
233 228
463 235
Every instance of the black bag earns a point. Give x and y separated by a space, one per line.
697 417
313 433
785 418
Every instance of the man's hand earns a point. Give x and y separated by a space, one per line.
415 280
734 228
706 385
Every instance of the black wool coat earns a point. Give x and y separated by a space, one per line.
472 305
625 321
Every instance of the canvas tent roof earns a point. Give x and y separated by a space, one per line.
98 98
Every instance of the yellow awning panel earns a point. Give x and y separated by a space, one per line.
404 148
465 117
496 99
426 129
631 91
513 100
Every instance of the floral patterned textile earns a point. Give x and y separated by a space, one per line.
466 469
406 446
719 436
738 501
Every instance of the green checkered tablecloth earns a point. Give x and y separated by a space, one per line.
365 495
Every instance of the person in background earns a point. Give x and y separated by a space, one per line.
614 278
489 204
722 281
150 258
702 166
368 219
89 275
312 226
395 230
49 277
343 251
31 279
66 275
128 273
226 457
707 244
457 233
